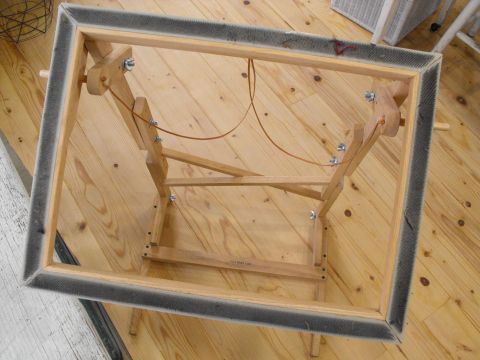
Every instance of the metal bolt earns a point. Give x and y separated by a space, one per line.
153 122
333 160
341 147
128 64
172 197
157 139
313 215
370 95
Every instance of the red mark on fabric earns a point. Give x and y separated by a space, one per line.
340 47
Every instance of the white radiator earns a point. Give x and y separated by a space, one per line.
366 12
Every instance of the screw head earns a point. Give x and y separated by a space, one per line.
153 122
172 197
157 139
370 95
333 160
128 64
313 215
341 147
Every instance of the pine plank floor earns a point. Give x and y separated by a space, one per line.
36 325
107 193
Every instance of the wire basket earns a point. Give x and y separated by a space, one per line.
22 20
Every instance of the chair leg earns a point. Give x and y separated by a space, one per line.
447 6
475 28
457 25
386 16
319 243
134 321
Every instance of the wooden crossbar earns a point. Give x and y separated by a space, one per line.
345 157
99 50
108 73
176 256
235 171
248 181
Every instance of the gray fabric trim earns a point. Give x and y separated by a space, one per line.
406 251
211 307
71 16
158 24
47 145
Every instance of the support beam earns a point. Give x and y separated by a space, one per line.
176 256
158 167
68 119
153 236
327 204
99 50
235 171
370 136
108 70
160 213
352 145
248 181
385 106
438 126
319 247
399 91
156 162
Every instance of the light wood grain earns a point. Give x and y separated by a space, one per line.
248 181
240 50
234 219
235 171
107 70
174 256
68 119
37 325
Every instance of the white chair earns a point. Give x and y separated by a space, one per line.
470 14
386 16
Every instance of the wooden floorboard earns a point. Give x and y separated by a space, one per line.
107 195
37 325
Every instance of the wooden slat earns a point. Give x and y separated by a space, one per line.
98 50
68 119
108 70
176 256
234 171
371 134
156 231
319 243
447 251
400 196
158 168
201 290
353 144
385 105
156 162
245 50
327 204
248 181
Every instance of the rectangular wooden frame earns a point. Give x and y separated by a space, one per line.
76 24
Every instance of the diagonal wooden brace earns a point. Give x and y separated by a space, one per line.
235 171
118 83
388 98
108 70
158 167
156 161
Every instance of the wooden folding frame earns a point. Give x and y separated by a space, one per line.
82 30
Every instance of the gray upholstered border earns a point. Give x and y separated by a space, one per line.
412 213
211 307
71 16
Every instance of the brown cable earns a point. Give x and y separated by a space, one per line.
252 96
251 90
134 115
